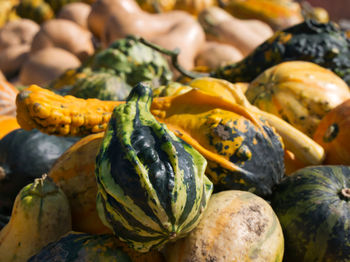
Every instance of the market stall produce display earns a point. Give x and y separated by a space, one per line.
174 130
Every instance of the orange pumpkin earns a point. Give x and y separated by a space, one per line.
7 124
333 134
292 163
8 95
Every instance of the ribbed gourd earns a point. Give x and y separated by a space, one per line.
313 207
151 184
299 92
321 43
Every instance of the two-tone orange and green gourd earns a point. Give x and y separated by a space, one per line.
151 184
321 43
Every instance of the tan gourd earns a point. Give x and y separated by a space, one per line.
46 65
18 32
12 59
214 54
65 34
236 226
222 27
175 29
40 215
77 12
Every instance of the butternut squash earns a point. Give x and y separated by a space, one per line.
18 32
65 34
279 14
12 59
46 65
40 215
175 29
77 12
213 55
221 26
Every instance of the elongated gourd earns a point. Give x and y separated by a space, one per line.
54 114
41 214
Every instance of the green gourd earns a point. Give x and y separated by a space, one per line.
151 184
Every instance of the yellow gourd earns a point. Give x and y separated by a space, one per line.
40 215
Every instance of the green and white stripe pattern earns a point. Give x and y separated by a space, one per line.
151 184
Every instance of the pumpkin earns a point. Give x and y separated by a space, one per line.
312 205
75 247
321 43
40 215
333 134
299 92
24 156
151 184
237 226
278 14
7 123
8 95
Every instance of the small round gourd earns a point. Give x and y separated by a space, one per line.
312 205
237 226
333 134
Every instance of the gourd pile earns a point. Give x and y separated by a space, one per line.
173 131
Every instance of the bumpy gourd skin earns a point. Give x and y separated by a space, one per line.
151 184
55 114
323 44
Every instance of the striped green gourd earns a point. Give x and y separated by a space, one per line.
313 207
151 184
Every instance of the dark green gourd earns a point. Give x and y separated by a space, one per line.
313 207
24 156
151 184
321 43
80 247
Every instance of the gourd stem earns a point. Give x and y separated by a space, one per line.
174 59
346 193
